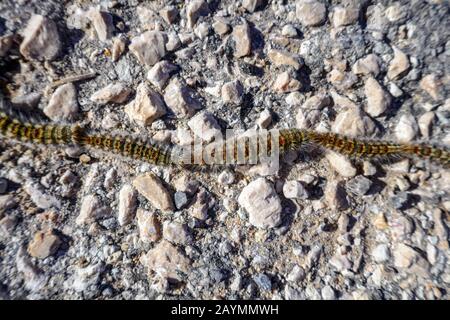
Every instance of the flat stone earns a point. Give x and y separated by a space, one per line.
194 10
180 99
318 101
41 39
127 204
44 244
205 126
378 100
311 12
154 191
242 40
160 73
63 104
176 233
147 106
262 203
284 58
398 65
406 128
232 92
102 22
149 226
149 47
114 93
167 261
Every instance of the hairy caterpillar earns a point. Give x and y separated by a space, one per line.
235 151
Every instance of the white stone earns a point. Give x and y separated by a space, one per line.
252 5
154 191
295 190
381 253
149 226
311 12
285 83
367 65
344 16
176 233
425 122
127 204
63 104
335 196
226 177
41 39
432 85
160 73
102 22
297 274
221 27
262 203
284 58
289 31
398 65
147 106
378 100
90 210
232 92
341 164
114 92
204 126
354 122
328 293
166 261
180 99
406 128
242 40
194 10
149 47
265 119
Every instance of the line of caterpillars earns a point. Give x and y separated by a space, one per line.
161 155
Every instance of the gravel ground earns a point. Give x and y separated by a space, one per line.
76 223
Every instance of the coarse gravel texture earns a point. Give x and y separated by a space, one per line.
339 230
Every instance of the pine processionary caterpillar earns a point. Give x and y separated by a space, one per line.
231 150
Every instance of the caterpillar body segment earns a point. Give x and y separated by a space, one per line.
42 134
152 153
248 149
